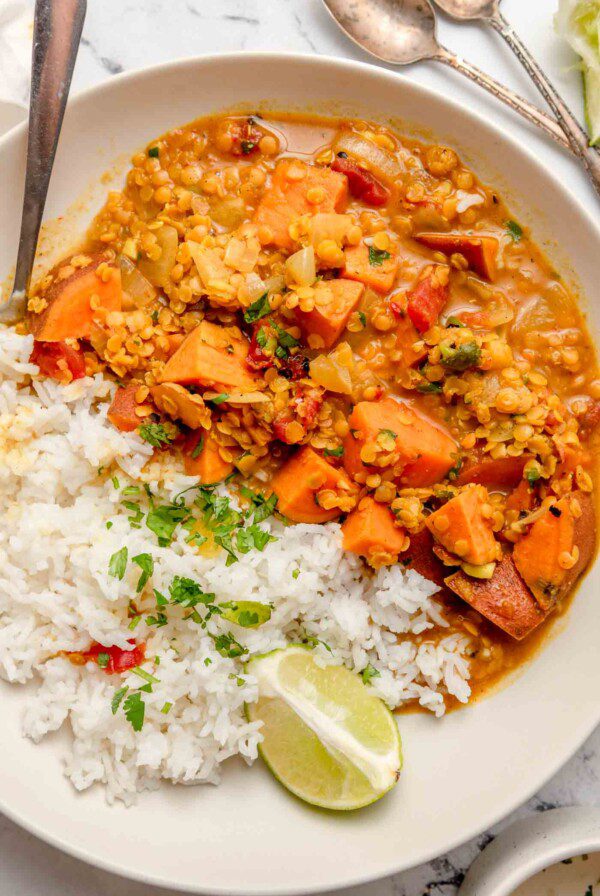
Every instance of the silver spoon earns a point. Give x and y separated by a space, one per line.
487 11
403 31
57 30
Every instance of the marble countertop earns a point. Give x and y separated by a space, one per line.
125 34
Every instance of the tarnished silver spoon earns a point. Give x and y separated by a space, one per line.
403 31
488 11
57 31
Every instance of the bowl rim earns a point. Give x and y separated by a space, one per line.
480 121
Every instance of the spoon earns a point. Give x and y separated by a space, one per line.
57 30
403 31
487 11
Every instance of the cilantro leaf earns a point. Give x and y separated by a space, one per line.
427 388
188 593
227 646
163 521
135 710
103 659
118 564
514 230
460 357
334 452
369 672
155 434
153 152
198 448
117 698
258 309
146 564
219 399
532 474
377 256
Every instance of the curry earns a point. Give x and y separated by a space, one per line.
351 322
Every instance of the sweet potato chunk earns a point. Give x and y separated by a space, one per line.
479 251
329 317
462 527
504 599
180 404
370 531
297 483
393 434
286 198
69 313
210 356
502 473
121 413
427 298
370 267
557 548
201 458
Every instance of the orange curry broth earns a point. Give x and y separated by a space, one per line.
529 392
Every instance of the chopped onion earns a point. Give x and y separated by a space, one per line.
275 284
326 371
300 268
255 286
467 200
229 212
138 288
158 272
380 162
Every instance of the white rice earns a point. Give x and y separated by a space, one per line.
56 595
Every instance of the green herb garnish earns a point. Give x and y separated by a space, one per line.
135 710
227 646
103 659
514 230
153 152
198 448
155 434
532 475
260 308
427 388
460 357
146 564
334 452
454 322
117 698
219 399
377 256
369 672
118 564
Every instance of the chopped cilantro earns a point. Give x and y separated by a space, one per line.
227 646
369 672
188 593
117 698
159 620
198 448
334 452
260 308
115 482
153 152
131 490
219 399
362 318
532 474
454 322
427 388
247 146
514 230
155 434
166 708
141 673
118 564
135 710
134 623
312 642
455 470
246 613
377 256
109 524
146 564
389 432
103 659
208 661
460 357
295 573
163 521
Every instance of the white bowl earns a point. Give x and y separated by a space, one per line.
529 846
462 774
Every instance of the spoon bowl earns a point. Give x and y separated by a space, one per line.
469 9
396 31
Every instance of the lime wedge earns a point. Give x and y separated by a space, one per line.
326 736
578 21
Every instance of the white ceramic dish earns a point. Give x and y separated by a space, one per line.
463 773
530 845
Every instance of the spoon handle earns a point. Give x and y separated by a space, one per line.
577 137
517 103
56 34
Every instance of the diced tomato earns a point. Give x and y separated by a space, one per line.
58 360
260 357
121 412
361 182
295 367
119 660
426 301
